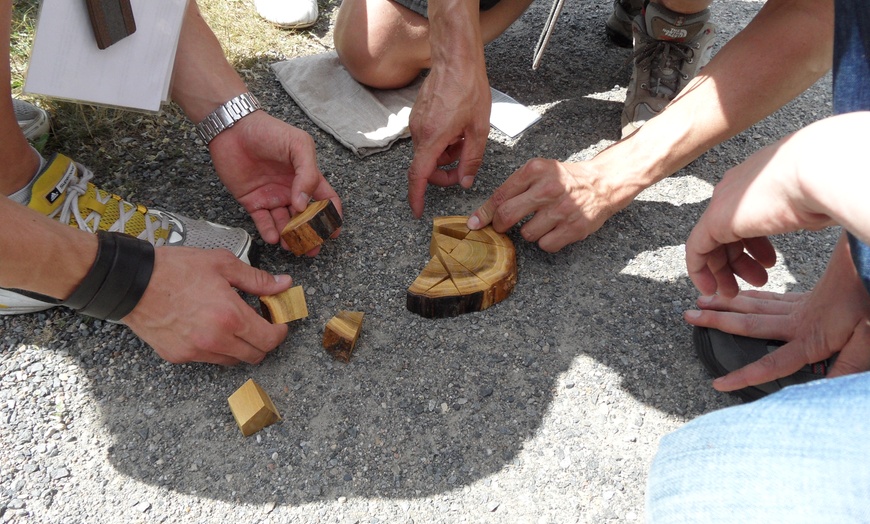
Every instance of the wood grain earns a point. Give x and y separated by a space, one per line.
312 227
468 270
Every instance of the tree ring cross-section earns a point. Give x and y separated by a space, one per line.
469 270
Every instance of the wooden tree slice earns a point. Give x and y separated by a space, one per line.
452 226
442 241
341 333
284 307
312 227
463 275
443 300
434 273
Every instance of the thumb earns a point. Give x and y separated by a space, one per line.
258 282
854 357
483 216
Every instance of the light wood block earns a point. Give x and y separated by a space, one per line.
469 270
341 334
252 408
312 227
284 307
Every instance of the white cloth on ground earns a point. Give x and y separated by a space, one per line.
363 119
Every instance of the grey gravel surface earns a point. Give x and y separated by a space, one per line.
548 407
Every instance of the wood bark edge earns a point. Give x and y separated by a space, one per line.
312 227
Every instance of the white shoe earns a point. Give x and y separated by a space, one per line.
32 120
289 14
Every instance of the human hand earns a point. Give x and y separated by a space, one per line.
834 318
191 312
569 202
449 122
762 196
270 167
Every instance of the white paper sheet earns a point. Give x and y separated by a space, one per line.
133 73
509 116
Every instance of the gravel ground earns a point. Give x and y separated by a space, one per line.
548 407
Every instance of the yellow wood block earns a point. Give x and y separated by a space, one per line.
284 307
252 408
341 334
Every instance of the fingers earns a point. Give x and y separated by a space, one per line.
753 301
771 327
419 172
782 362
788 359
308 178
746 267
761 250
471 158
714 271
496 205
325 190
256 337
252 280
265 224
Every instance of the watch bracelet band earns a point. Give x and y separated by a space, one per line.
225 116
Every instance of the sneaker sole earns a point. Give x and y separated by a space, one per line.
37 128
12 303
617 37
704 348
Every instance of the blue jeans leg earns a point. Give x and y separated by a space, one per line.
799 455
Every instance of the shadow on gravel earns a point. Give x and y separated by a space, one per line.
427 406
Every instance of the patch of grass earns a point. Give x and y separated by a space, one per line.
246 39
21 40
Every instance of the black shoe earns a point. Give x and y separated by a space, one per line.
722 353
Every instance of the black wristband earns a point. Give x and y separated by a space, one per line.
118 278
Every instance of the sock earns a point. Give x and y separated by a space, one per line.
22 196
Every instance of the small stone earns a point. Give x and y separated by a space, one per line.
59 473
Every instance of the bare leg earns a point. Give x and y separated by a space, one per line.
19 161
385 45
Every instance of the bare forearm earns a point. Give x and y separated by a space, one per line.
454 33
833 177
33 265
202 77
783 51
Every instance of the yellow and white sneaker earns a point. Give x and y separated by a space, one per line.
62 190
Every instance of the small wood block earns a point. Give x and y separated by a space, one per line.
284 307
452 226
111 20
252 408
312 227
341 334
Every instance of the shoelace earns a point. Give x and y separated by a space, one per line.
126 210
659 56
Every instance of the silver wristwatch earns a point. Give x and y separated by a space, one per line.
227 115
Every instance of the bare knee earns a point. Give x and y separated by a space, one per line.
380 43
